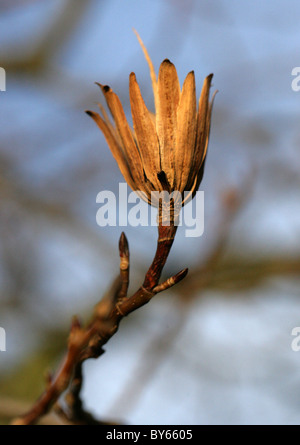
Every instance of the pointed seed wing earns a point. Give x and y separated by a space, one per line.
166 116
132 154
114 147
186 131
145 132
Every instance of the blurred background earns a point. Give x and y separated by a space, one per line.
215 349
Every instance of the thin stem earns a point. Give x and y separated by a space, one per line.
88 343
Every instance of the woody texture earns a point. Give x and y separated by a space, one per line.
165 151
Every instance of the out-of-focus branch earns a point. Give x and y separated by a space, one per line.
16 191
10 408
235 273
201 276
53 38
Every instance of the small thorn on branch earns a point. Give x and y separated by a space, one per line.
124 266
48 378
107 303
171 281
123 246
76 336
75 323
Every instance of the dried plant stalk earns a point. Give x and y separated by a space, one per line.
85 343
166 152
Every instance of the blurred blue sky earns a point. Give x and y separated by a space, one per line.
51 150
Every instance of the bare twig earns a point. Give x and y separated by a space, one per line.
155 352
88 343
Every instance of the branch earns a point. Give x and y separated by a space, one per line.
88 343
